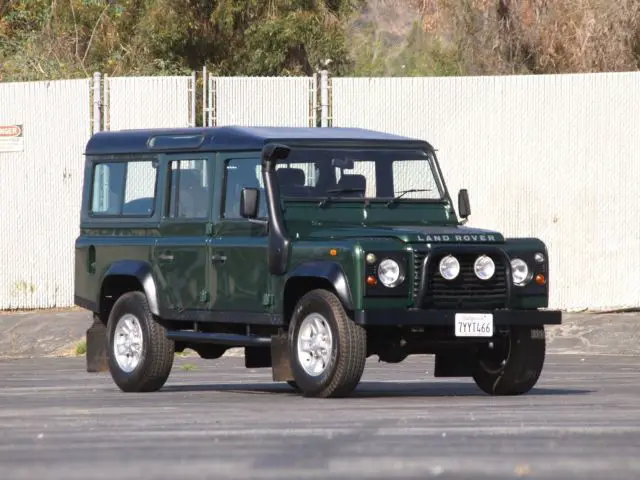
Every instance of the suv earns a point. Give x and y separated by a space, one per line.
312 248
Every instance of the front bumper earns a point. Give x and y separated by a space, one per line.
419 317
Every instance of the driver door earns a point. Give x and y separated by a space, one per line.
238 250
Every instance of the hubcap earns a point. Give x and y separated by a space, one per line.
315 344
127 343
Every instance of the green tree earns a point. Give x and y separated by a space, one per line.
69 38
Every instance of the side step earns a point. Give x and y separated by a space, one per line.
230 339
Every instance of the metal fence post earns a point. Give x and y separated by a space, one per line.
324 98
211 102
205 122
194 86
97 103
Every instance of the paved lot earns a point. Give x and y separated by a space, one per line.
217 420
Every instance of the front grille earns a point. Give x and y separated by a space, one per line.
418 258
466 291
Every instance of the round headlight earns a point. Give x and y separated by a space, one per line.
449 267
484 267
389 273
539 257
519 271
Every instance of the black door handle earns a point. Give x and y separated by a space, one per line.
218 258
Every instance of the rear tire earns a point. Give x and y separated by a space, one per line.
140 354
328 350
523 354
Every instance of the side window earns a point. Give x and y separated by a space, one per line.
239 173
124 188
189 189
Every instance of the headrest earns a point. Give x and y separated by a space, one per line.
290 176
352 181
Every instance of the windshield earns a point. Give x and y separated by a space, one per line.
373 174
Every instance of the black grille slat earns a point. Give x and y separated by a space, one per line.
418 259
467 291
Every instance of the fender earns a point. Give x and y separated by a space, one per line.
140 270
330 271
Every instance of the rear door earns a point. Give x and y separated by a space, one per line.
180 255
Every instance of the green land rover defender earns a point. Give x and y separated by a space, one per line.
311 248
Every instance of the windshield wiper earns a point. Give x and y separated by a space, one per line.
340 190
404 192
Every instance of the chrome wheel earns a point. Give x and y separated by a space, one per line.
127 343
315 344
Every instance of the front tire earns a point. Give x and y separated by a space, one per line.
140 354
328 350
514 367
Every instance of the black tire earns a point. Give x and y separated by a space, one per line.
523 351
293 385
158 351
347 356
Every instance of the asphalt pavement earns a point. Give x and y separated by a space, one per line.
216 419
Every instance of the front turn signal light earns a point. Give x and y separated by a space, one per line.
540 279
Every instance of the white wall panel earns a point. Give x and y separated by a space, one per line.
41 191
148 102
557 157
263 101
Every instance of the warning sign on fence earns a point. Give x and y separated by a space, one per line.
11 138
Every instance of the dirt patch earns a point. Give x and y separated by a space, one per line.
42 333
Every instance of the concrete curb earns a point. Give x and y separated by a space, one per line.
56 334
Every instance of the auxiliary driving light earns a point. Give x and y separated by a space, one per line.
449 267
484 267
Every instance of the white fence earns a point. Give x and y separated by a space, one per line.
40 194
557 157
261 101
149 102
40 198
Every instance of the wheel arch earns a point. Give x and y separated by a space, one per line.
125 276
311 275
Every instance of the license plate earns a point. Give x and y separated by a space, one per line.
474 325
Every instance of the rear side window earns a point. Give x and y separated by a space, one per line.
189 189
124 188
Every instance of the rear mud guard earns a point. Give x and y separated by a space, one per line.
97 352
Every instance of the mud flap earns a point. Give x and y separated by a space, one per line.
97 359
280 359
454 364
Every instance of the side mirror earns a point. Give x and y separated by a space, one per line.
249 202
464 208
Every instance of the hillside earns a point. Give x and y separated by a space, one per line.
478 37
51 39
